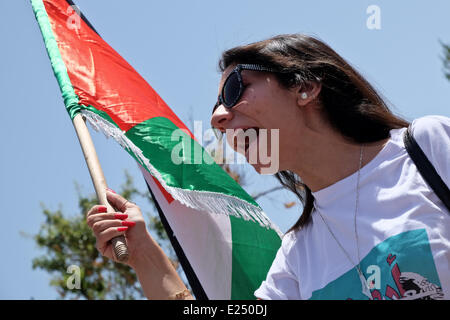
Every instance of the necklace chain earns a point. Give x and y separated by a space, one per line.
357 206
365 286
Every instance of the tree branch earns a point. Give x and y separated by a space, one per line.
263 193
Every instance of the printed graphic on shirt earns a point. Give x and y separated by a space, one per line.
401 267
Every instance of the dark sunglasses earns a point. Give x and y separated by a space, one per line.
233 87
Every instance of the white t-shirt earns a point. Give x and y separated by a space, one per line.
403 230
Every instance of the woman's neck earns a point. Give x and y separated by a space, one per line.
329 158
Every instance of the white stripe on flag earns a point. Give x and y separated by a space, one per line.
205 239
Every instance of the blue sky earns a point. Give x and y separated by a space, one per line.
175 46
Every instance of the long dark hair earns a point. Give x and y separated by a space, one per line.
351 105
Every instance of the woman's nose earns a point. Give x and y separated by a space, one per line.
221 117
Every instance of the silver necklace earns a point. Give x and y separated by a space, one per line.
365 286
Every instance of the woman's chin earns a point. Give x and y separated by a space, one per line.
266 169
270 167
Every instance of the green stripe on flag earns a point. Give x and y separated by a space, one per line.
253 249
58 66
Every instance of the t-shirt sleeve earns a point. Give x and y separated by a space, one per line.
432 133
281 282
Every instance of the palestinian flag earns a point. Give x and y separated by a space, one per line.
225 242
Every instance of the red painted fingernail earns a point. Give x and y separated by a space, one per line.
121 216
102 209
128 223
120 229
111 190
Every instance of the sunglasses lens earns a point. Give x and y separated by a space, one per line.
231 89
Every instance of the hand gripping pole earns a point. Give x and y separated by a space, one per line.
98 179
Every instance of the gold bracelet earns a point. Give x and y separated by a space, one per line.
180 295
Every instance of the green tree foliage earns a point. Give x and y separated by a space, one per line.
67 240
446 60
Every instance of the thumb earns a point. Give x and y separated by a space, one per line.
117 201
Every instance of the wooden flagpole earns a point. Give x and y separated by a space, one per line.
98 179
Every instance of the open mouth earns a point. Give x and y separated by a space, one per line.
246 139
251 136
259 146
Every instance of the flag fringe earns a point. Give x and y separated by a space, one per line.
201 200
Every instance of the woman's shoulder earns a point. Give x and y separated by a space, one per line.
288 241
432 134
293 239
430 128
